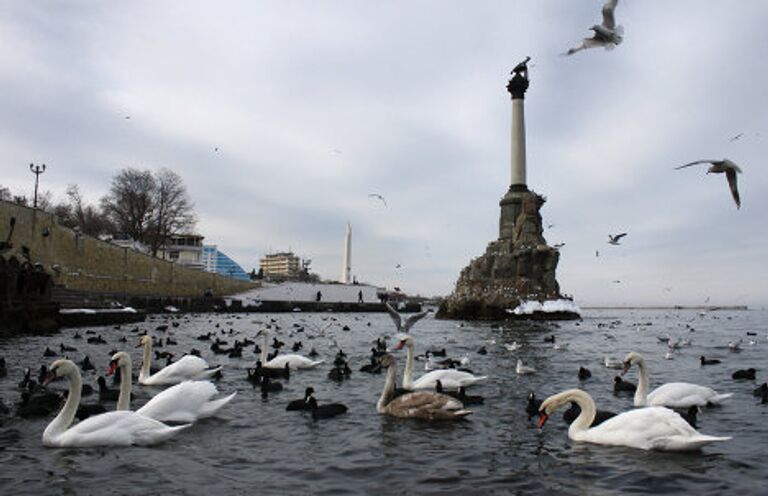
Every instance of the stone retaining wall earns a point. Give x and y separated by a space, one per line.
84 263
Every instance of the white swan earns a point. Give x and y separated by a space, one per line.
188 367
184 403
450 378
671 394
426 405
120 428
293 360
644 428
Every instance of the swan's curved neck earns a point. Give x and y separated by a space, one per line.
263 357
408 374
588 411
124 399
641 393
389 389
146 360
67 414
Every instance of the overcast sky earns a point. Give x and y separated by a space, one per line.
314 105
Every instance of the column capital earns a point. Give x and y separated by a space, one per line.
517 86
519 82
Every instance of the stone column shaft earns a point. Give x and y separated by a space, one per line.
517 157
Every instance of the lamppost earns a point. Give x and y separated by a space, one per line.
36 170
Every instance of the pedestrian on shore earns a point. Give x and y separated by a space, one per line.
360 296
319 296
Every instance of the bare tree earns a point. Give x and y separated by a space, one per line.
45 201
88 218
64 215
173 212
146 207
5 194
129 205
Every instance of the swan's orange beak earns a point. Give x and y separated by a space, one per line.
627 365
49 378
112 367
543 417
400 345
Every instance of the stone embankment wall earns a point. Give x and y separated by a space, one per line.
83 263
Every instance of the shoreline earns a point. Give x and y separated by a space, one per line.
710 308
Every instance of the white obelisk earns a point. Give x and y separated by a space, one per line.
346 269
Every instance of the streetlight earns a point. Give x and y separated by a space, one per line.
36 170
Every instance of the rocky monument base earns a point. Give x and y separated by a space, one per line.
517 267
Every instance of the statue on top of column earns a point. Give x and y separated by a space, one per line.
519 82
522 68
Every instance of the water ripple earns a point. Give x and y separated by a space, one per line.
258 447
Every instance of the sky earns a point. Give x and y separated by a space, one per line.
315 105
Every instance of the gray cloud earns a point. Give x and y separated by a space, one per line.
313 105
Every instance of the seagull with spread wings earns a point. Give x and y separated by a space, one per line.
378 197
718 167
613 239
607 35
404 327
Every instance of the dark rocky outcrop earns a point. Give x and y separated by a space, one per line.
518 266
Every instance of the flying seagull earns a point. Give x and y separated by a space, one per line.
408 322
719 166
378 196
737 137
613 239
607 34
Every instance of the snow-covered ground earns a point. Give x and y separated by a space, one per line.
549 306
299 291
97 310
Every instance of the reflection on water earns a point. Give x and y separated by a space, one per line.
256 446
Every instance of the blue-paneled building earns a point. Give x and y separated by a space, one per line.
216 261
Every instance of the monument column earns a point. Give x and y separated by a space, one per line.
511 203
517 157
519 266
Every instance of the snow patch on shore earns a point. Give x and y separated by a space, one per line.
548 306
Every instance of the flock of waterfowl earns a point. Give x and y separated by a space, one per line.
663 418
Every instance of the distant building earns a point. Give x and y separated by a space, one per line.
131 244
217 262
184 249
284 265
